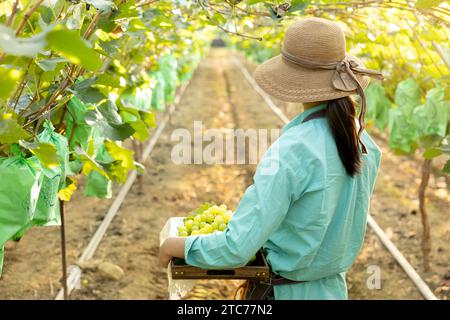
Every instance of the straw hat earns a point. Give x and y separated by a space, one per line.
313 65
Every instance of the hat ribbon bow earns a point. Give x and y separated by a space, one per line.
343 79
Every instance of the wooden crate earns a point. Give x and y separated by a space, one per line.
258 269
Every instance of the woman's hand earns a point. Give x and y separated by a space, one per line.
173 247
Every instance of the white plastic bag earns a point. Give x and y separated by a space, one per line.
177 288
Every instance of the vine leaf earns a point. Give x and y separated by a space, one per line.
432 153
447 167
122 154
24 47
425 4
9 77
70 45
44 151
10 130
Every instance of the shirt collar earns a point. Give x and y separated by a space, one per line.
299 118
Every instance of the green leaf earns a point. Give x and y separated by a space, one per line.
424 4
109 111
149 118
116 171
122 154
106 24
50 64
141 130
86 93
446 167
113 131
432 153
162 21
252 2
44 151
298 5
127 10
109 80
89 163
109 47
218 18
24 47
98 186
10 130
70 45
9 78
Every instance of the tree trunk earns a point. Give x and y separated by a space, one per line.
426 241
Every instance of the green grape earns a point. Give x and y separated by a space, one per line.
219 219
183 234
209 217
189 224
206 219
208 228
214 210
215 226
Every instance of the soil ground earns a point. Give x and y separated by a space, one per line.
220 97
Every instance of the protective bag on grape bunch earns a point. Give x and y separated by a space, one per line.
137 97
168 68
158 96
19 193
47 208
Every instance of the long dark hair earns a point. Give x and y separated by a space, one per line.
341 118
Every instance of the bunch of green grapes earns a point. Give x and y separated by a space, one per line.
205 219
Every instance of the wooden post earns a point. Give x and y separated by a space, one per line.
63 251
426 241
140 177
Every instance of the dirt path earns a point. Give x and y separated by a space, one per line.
220 97
171 189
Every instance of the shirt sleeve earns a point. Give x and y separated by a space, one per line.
260 212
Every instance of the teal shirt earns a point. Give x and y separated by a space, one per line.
303 209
